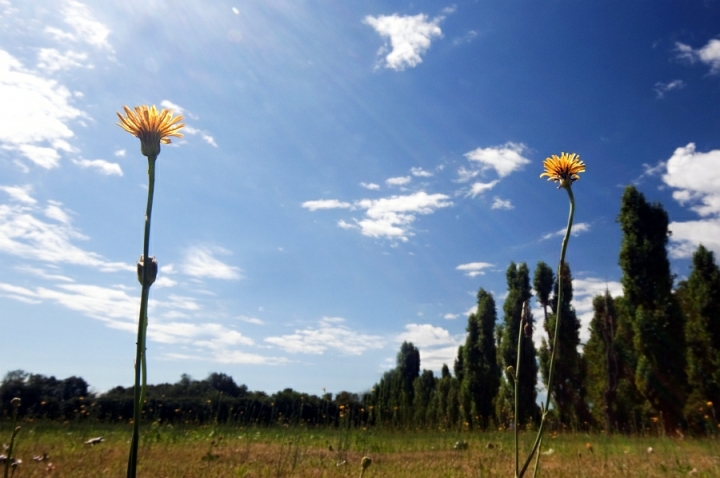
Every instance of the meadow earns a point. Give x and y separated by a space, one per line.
232 451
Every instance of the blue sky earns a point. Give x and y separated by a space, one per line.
351 173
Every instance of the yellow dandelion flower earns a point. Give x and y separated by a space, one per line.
151 126
563 169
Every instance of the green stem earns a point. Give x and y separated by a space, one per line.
15 431
517 390
140 364
563 249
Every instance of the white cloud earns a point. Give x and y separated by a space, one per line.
329 334
235 11
34 115
503 159
399 181
391 217
473 269
420 172
174 108
84 27
386 217
51 60
42 273
120 153
19 193
103 167
577 229
326 204
371 186
662 88
434 359
410 37
118 310
502 204
584 291
709 54
200 262
24 234
251 320
425 336
54 211
437 346
696 179
450 316
164 282
480 188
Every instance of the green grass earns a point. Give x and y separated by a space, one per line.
227 451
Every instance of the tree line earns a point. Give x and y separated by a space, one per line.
652 360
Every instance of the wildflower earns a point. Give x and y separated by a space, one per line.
151 126
563 169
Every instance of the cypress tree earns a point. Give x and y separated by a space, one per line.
700 301
568 388
481 373
518 280
658 324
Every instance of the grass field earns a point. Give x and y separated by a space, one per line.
226 451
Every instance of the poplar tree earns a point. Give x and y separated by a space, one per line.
543 284
518 281
481 373
602 361
568 387
700 301
658 324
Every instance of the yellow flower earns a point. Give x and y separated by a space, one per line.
563 169
151 126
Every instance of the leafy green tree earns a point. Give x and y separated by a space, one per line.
481 378
568 388
518 281
543 281
602 363
700 300
658 324
424 386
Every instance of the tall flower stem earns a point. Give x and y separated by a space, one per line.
556 334
517 389
140 359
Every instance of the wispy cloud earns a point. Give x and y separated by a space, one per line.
100 165
504 204
326 204
330 333
200 262
399 181
708 54
473 269
24 233
420 172
84 28
189 129
370 186
577 229
480 188
19 193
410 37
35 114
51 60
662 88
